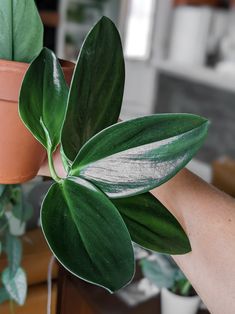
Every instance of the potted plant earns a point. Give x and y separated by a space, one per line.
177 294
21 40
14 213
91 216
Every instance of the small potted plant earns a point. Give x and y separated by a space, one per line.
91 216
177 294
21 40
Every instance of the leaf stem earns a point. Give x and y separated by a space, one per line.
53 172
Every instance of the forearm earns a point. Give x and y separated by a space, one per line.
208 217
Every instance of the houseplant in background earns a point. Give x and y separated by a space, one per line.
90 217
20 41
15 211
177 294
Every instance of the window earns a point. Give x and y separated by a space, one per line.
140 16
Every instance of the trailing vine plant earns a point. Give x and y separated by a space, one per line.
13 205
21 39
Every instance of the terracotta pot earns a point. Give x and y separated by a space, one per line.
21 155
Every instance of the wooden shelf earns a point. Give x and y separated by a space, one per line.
201 75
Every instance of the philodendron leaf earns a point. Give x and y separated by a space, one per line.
96 92
87 234
43 99
135 156
21 35
151 225
15 284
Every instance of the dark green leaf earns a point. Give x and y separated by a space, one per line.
133 157
43 99
15 284
21 33
97 87
151 225
87 234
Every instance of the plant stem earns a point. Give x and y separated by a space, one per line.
54 175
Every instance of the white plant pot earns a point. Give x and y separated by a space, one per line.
175 304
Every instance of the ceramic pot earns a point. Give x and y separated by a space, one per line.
175 304
21 155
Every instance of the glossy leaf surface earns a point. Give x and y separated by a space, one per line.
43 99
96 93
87 234
21 35
151 225
15 284
133 157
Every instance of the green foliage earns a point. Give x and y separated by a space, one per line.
48 92
15 284
105 163
94 228
96 91
21 33
150 150
149 222
13 278
164 273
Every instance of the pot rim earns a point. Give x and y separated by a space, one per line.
11 65
181 296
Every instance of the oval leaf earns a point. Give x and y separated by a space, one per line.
21 36
133 157
87 234
15 284
43 99
151 225
96 91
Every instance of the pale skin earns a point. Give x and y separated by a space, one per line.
208 217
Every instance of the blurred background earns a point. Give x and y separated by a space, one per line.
180 57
